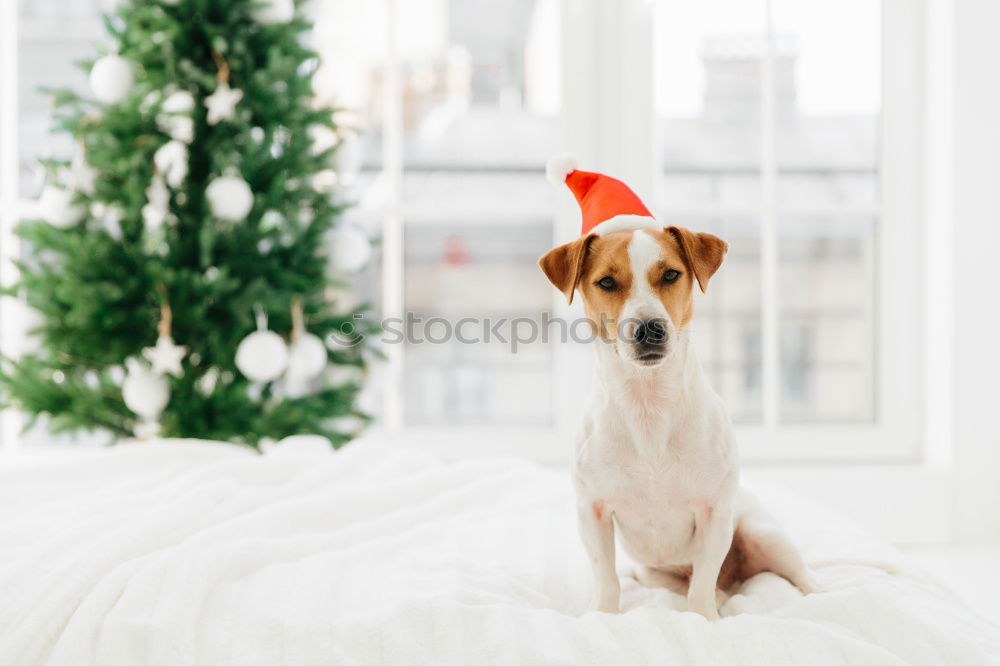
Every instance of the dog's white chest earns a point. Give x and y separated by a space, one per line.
654 488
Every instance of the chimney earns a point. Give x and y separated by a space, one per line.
733 68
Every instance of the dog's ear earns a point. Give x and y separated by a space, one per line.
702 252
563 265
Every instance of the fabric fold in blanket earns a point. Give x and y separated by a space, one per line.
186 552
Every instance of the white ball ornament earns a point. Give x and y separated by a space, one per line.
229 197
262 356
270 12
111 79
56 206
306 358
144 392
349 249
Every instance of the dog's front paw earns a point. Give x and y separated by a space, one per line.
604 604
707 611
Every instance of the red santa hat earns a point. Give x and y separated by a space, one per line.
607 204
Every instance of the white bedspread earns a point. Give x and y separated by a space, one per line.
196 553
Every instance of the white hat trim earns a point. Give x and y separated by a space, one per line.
626 223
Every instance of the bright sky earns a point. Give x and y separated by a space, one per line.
839 63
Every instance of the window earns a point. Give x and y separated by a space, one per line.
784 126
455 131
764 122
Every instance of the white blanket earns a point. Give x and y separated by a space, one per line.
198 553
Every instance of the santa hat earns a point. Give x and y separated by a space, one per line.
607 204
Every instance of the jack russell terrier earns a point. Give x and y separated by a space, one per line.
656 455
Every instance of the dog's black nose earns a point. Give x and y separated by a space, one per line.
651 332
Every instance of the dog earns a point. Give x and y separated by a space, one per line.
656 462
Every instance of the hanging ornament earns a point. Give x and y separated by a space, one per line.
175 116
166 356
111 79
157 203
82 176
171 159
144 392
349 249
229 197
57 207
221 104
306 353
270 12
347 159
262 356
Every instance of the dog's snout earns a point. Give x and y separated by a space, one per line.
651 332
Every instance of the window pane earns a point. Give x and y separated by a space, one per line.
472 372
726 326
708 99
481 103
827 318
52 36
827 100
480 95
479 82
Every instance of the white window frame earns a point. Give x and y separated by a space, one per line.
10 335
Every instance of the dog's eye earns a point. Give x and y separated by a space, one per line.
607 283
671 276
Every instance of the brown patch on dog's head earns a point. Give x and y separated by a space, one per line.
703 252
562 265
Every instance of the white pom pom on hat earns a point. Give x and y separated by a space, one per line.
560 166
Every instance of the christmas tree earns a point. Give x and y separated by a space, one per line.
181 268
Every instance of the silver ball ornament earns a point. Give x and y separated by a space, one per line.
111 79
229 197
306 358
262 356
349 250
56 206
